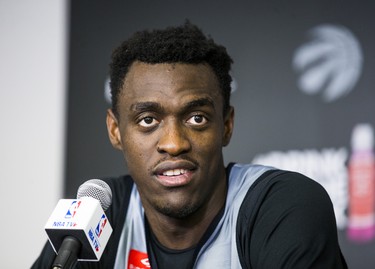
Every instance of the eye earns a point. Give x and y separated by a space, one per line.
148 122
197 120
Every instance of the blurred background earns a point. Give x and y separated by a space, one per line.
303 92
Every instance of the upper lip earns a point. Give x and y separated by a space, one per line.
171 165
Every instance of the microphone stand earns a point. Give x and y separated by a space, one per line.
68 253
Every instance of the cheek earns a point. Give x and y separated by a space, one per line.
134 149
208 144
212 137
133 154
138 151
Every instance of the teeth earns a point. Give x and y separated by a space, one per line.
175 172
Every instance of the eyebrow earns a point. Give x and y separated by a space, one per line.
154 106
145 106
205 101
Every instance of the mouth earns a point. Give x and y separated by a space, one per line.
174 174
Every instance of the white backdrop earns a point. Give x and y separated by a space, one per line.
32 103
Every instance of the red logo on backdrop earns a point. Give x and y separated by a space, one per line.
138 260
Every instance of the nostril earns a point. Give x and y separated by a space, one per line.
159 149
174 142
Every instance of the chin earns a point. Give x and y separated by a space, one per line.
181 212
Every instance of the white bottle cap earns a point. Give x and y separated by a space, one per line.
362 137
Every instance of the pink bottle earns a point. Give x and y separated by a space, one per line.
361 226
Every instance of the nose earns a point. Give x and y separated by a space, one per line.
173 139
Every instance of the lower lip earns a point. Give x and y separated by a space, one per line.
174 181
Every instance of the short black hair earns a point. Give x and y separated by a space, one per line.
181 44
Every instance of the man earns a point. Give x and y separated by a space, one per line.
171 117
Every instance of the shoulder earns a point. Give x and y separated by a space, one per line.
290 218
287 187
298 188
268 184
286 194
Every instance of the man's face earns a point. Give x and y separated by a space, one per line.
171 130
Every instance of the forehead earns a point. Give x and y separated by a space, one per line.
169 79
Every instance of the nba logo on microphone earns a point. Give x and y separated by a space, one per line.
72 209
102 222
94 241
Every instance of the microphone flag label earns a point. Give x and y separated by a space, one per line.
73 209
102 222
85 220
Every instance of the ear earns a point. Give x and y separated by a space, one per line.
113 130
228 126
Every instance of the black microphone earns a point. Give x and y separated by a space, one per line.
78 228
